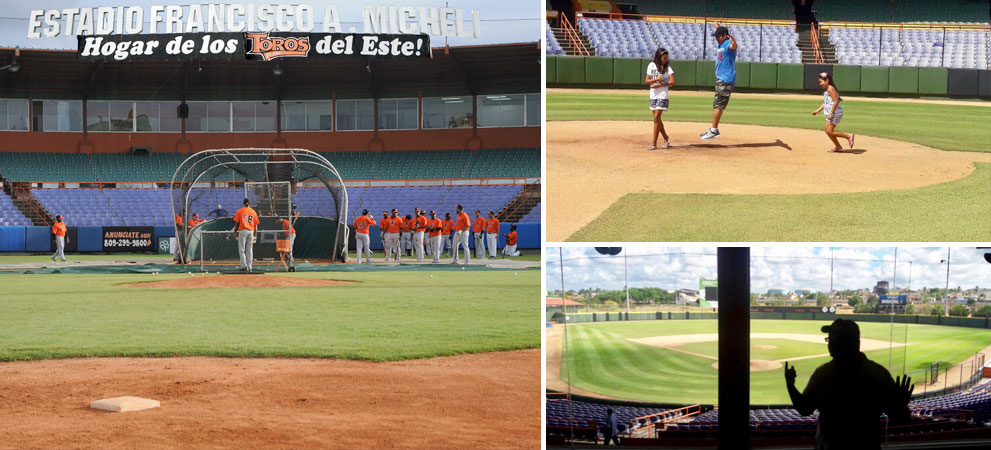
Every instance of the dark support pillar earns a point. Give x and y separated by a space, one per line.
734 347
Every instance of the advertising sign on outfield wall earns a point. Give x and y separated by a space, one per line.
128 239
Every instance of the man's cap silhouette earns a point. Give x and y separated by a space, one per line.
843 328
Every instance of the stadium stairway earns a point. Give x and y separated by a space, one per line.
808 50
521 205
568 47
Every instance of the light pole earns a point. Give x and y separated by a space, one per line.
946 291
626 277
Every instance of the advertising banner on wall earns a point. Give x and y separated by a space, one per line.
128 239
250 46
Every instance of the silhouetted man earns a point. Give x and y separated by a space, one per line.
612 428
850 393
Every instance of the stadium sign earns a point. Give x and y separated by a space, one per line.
128 239
238 18
239 46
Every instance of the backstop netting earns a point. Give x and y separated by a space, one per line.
214 183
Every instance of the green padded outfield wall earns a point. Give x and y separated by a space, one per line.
903 80
874 79
571 69
551 66
847 78
791 76
742 74
598 71
684 73
626 72
933 80
705 73
763 75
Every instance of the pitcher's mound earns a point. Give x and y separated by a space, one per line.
757 365
762 347
246 281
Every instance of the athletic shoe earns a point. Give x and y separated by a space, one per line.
667 144
651 147
711 134
53 259
852 138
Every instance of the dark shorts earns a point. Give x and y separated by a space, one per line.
723 91
659 104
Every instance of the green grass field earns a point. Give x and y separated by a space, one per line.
385 316
954 211
603 361
960 126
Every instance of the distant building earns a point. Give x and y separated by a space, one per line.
881 288
687 296
777 291
558 305
805 291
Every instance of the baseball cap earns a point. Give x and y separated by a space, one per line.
843 328
721 30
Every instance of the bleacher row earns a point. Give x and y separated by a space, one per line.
778 43
960 11
9 214
638 39
386 165
138 207
914 48
561 413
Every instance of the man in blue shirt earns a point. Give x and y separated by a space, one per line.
725 78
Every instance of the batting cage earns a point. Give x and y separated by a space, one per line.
219 180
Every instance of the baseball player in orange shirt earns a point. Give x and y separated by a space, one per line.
435 227
361 226
511 239
461 229
245 223
448 226
385 215
180 234
479 230
492 233
195 220
419 227
406 238
393 226
58 231
287 227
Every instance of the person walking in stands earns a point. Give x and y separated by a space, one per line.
419 228
406 244
287 227
245 223
479 229
461 229
725 78
393 226
660 76
511 239
180 234
612 427
361 226
850 393
492 234
435 227
448 226
58 232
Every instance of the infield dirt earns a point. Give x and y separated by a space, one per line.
488 400
599 162
235 281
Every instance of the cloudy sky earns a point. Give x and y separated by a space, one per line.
501 22
771 267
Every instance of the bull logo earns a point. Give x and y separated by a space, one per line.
278 47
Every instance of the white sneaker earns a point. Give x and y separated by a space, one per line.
711 134
666 144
